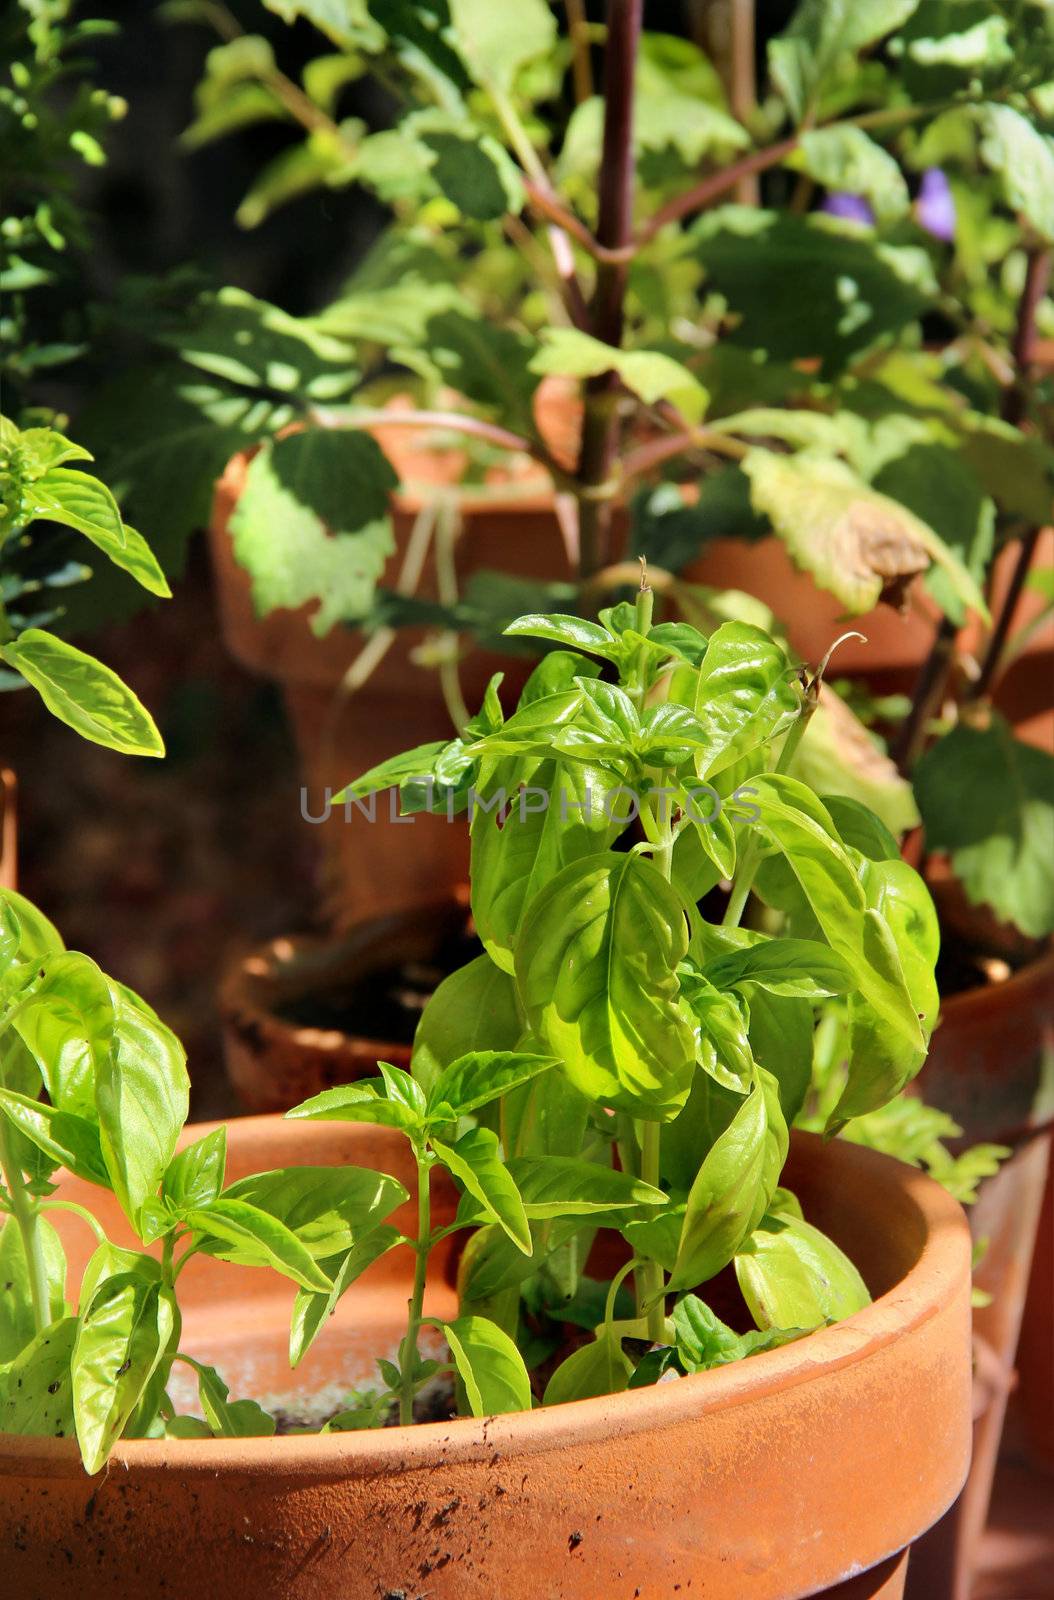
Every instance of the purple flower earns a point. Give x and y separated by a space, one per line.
853 207
935 207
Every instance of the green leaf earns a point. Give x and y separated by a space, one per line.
821 36
846 159
83 693
470 167
485 362
363 1101
958 511
555 815
781 1038
489 1365
39 449
195 1176
17 1320
724 1049
495 44
475 1161
987 798
281 540
474 1009
838 757
67 1026
566 1186
596 970
723 1199
239 1232
36 1391
1023 158
597 1368
705 1342
649 374
248 342
142 1096
82 502
793 967
310 1311
475 1079
36 936
745 695
230 1419
122 1336
857 543
884 1016
792 1276
69 1140
859 290
347 22
563 629
323 1206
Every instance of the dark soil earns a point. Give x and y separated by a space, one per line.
386 1004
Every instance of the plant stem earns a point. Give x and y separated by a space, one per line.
651 1279
26 1213
933 677
422 1245
595 490
77 1211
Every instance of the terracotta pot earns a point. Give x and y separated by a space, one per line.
8 829
801 1471
274 1062
370 865
986 1067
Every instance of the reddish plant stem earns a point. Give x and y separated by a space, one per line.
614 234
934 675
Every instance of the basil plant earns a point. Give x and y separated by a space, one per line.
627 1055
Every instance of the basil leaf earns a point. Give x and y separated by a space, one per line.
67 1027
142 1094
475 1079
322 1206
235 1231
70 1141
363 1101
476 1163
36 1392
792 1276
83 693
230 1419
489 1365
597 1368
565 1186
474 1009
745 695
596 971
122 1337
564 629
17 1320
310 1310
195 1176
722 1200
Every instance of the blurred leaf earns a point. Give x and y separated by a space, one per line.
819 38
846 159
648 373
1024 159
861 545
837 756
248 342
283 543
857 289
987 798
346 22
496 41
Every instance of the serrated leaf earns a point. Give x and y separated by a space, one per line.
496 42
650 374
847 159
82 692
1023 157
821 35
987 798
859 544
290 556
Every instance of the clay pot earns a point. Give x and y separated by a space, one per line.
805 1470
370 865
274 1062
985 1067
1034 1398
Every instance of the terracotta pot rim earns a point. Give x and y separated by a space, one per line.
938 1271
245 986
980 994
